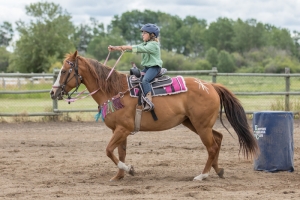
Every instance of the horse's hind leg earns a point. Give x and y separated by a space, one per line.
218 138
213 151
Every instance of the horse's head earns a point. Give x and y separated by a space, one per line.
67 79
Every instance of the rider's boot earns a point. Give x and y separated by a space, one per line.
148 101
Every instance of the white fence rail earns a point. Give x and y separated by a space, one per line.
19 79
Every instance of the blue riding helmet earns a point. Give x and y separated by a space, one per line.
151 28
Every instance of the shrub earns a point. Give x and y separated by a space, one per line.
225 62
212 56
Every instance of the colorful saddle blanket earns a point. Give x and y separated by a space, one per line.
161 86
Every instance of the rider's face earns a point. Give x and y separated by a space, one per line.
146 36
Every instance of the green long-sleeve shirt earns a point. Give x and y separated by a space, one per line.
150 53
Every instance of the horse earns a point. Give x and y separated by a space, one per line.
197 109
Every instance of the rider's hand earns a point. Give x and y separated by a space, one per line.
111 48
114 48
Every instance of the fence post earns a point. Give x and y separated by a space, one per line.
214 74
32 79
55 74
19 83
287 89
3 82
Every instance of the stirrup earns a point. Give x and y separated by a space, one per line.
148 105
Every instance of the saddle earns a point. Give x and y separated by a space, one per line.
158 82
161 85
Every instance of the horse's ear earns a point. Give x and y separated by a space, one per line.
75 54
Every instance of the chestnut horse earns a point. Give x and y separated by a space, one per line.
197 109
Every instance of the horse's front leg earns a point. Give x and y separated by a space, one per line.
119 139
122 155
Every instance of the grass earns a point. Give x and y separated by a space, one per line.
29 105
41 102
255 84
28 87
24 105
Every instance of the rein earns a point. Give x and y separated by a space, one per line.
69 100
115 63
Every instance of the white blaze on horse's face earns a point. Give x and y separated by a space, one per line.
57 84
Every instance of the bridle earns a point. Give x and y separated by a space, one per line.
74 66
68 79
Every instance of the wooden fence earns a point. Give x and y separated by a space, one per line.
213 73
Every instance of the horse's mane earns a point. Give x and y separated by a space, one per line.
116 82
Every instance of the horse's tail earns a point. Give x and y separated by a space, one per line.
236 116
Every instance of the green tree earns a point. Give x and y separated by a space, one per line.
239 60
296 38
45 40
170 36
130 22
202 64
173 61
278 65
6 34
248 35
195 41
212 56
82 37
225 62
220 35
84 33
4 59
186 42
281 38
98 45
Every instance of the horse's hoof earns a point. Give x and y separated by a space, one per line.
221 173
116 178
200 177
131 171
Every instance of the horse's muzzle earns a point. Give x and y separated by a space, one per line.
56 94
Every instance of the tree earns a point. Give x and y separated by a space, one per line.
212 56
45 40
98 45
82 37
169 35
225 62
4 59
296 39
220 34
84 33
130 22
281 38
6 34
248 35
192 36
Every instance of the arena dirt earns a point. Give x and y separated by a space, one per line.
67 160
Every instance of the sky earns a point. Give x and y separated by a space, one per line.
280 13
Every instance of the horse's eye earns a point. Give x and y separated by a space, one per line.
63 72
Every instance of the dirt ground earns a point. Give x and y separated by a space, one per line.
67 160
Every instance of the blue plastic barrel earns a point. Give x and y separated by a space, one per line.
274 133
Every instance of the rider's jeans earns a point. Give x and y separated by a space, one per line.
150 74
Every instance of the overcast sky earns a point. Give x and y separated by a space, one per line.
281 13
